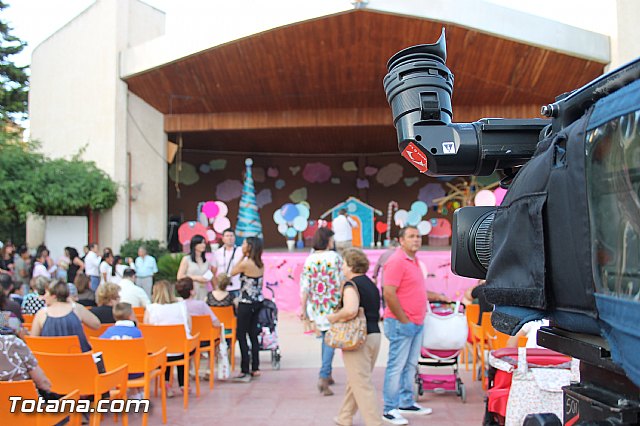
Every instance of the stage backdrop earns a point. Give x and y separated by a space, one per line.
282 269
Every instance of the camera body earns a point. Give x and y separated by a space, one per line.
565 242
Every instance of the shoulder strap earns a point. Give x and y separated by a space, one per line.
230 260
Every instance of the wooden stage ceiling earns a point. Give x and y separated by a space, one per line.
316 86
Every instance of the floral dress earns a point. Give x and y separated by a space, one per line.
321 279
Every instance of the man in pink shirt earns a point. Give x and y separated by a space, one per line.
406 297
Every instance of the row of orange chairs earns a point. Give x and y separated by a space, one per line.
483 338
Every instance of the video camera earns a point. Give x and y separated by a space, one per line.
565 242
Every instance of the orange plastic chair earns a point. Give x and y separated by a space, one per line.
90 332
27 390
209 335
478 334
472 312
139 313
227 316
28 318
133 352
68 372
54 345
174 338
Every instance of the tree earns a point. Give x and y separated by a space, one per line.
32 183
14 81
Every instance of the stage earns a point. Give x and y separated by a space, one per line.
283 268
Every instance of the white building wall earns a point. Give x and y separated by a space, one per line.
625 41
78 101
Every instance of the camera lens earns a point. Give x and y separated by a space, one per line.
471 245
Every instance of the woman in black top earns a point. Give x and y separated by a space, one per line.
359 292
75 263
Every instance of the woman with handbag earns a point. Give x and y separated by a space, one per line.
359 293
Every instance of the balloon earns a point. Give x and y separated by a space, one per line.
202 218
211 236
303 210
499 193
413 218
352 208
442 228
456 205
434 221
299 223
419 207
211 209
188 230
381 227
485 198
291 233
282 228
400 217
424 227
277 218
299 244
221 224
222 208
289 212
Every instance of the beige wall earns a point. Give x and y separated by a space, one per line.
625 41
77 100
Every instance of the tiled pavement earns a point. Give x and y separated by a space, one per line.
289 396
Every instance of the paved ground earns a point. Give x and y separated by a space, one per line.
289 396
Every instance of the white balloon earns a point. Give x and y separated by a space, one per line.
222 209
221 224
282 228
424 227
485 198
400 217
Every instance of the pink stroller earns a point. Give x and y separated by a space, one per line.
445 334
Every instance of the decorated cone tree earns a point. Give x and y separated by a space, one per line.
249 224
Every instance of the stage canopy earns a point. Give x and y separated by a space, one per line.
315 87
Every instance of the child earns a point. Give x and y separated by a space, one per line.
125 328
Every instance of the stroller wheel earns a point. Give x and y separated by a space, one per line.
275 359
462 392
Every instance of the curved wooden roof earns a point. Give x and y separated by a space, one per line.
320 82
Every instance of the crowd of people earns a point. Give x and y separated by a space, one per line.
333 286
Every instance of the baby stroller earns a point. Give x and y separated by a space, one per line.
267 323
445 335
502 363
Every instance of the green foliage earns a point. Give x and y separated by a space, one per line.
14 81
168 266
32 183
154 247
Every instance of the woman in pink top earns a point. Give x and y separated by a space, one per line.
184 288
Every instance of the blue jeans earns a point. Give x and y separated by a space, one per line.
404 350
327 359
95 282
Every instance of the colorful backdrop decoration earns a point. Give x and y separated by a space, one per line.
316 172
499 193
390 174
370 170
184 173
228 190
464 192
273 172
349 166
264 197
249 224
294 170
219 164
280 183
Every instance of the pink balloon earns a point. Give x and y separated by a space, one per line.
221 224
211 236
222 208
210 209
499 193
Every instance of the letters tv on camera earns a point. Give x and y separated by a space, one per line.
565 242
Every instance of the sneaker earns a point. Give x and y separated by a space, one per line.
243 378
395 418
415 409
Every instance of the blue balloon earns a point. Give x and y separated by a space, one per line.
299 244
291 233
289 212
434 221
413 218
420 207
300 223
277 218
303 210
